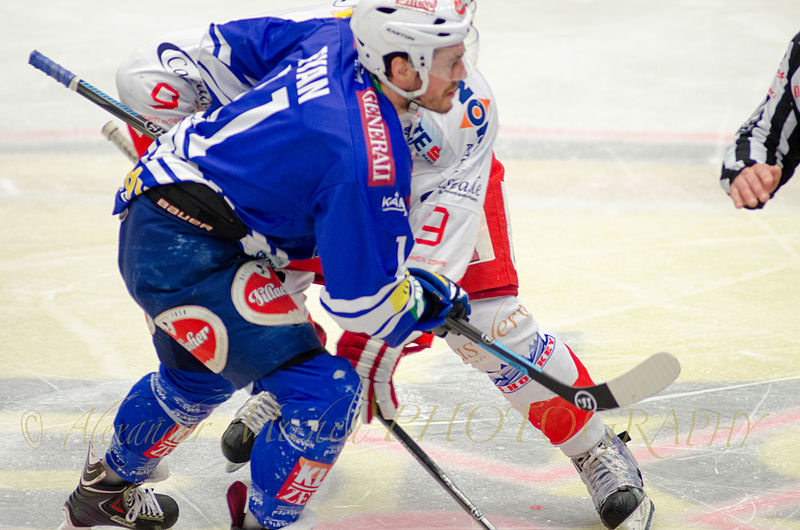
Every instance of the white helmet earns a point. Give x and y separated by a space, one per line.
414 27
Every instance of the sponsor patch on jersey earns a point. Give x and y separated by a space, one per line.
395 203
169 441
260 297
462 188
423 5
303 481
174 59
425 140
198 330
475 115
376 137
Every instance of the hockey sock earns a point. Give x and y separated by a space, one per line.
160 411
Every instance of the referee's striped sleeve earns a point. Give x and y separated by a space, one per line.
771 135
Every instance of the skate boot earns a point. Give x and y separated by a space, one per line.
237 440
127 505
613 479
237 502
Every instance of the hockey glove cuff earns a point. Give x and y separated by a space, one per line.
443 298
375 363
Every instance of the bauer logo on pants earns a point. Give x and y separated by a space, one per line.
260 297
198 330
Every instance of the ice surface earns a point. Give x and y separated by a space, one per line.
614 117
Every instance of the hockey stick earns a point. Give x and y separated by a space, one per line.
112 132
152 130
647 378
76 84
644 380
435 471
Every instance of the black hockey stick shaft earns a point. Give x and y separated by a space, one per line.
96 96
644 380
436 472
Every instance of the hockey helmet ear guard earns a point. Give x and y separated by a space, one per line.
416 28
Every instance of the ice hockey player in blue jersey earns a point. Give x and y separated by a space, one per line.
309 162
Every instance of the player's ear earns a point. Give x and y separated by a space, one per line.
402 73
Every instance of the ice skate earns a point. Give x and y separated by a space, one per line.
127 505
237 503
613 479
237 440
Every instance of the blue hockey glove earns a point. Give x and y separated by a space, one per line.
443 298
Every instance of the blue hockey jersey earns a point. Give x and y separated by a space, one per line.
313 161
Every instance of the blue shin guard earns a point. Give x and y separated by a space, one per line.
160 411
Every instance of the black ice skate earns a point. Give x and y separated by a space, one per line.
237 440
613 479
126 505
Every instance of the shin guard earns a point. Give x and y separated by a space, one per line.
293 454
160 411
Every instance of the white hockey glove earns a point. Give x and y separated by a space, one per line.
443 298
375 362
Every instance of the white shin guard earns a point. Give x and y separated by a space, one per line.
509 322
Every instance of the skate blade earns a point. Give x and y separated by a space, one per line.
230 467
641 518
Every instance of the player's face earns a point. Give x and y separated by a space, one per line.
447 70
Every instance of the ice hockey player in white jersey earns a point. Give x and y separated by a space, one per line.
459 219
308 160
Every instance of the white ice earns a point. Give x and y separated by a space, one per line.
614 118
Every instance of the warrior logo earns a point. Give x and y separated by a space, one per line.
260 297
303 481
198 330
585 401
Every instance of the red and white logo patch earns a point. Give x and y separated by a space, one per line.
260 297
198 330
303 481
169 441
376 136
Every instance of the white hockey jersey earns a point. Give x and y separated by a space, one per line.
452 153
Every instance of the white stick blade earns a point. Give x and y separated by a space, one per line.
648 378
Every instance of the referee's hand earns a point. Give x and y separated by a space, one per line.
753 186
